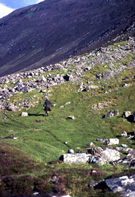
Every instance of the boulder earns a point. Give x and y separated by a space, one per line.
67 103
124 185
100 106
108 155
112 113
23 114
103 156
71 117
11 137
75 158
90 144
101 140
71 151
68 77
124 134
113 141
130 157
91 87
11 107
2 105
126 114
80 85
41 79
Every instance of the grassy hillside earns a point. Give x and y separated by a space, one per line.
29 162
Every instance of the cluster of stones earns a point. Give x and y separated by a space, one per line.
93 155
100 155
41 84
72 69
107 154
124 185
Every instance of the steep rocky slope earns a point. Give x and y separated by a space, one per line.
103 64
53 30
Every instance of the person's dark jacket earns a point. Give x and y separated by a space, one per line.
46 105
47 102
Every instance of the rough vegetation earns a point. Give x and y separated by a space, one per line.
93 102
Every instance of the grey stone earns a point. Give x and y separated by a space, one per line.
75 158
125 185
67 103
112 113
23 114
102 140
113 141
71 151
71 117
126 114
103 156
90 144
11 107
91 87
41 79
124 134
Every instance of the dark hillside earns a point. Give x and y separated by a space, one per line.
53 30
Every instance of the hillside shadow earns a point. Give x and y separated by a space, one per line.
37 115
130 118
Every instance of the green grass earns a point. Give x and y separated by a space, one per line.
40 139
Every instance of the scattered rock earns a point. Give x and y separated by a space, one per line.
112 141
129 158
90 144
100 106
71 151
68 77
71 117
126 114
91 87
111 113
96 172
23 114
62 106
41 79
124 145
67 103
11 137
101 140
11 107
104 156
124 134
123 149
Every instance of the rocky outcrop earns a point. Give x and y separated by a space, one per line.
103 156
94 155
125 185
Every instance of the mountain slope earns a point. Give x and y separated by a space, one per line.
100 82
53 30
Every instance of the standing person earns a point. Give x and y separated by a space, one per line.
46 106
